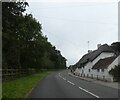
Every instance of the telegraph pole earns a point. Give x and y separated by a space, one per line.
88 44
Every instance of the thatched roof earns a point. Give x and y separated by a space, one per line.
104 63
92 55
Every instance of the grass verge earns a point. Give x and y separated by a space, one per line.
20 87
0 90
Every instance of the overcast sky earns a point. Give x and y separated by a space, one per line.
69 25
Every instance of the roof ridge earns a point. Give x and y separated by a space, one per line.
93 54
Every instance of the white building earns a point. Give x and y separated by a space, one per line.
87 66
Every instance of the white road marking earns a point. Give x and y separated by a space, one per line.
64 78
59 74
89 92
70 82
61 77
80 87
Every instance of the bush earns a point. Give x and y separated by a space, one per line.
115 73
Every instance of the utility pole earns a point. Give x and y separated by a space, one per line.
88 44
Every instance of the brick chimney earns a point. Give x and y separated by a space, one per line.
98 45
89 51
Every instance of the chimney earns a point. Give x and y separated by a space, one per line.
89 51
98 45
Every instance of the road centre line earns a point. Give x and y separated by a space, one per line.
80 87
70 82
60 75
89 92
64 78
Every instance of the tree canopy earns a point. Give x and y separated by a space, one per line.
24 45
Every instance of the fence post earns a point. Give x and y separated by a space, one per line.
14 73
97 77
92 76
103 78
84 74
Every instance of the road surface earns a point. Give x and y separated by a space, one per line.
61 85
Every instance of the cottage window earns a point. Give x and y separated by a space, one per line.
102 70
89 70
98 70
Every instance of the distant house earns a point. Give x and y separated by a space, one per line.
88 65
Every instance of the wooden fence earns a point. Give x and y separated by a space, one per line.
8 74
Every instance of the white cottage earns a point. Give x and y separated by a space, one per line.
85 65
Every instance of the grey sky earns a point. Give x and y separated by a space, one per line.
69 25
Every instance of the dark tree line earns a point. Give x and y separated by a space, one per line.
24 45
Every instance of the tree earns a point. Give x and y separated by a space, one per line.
115 72
10 14
24 45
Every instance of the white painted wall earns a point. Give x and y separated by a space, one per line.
89 65
95 73
76 71
105 74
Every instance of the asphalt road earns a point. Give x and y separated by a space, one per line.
61 85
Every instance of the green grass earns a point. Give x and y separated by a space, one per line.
0 90
20 87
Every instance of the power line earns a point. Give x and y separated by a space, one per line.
80 5
88 44
57 38
78 21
